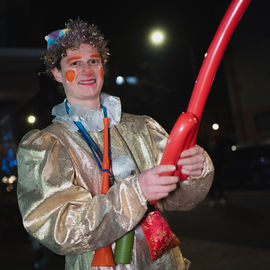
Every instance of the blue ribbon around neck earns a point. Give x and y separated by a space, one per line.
90 142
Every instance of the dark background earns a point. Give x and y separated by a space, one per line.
166 74
230 229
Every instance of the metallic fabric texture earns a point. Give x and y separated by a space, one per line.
59 189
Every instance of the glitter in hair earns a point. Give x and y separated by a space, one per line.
78 32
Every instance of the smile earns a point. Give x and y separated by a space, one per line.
87 82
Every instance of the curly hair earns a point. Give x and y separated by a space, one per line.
78 32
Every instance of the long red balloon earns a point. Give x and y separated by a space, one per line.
184 132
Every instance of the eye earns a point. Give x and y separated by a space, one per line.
94 61
75 63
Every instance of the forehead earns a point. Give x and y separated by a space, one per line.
84 49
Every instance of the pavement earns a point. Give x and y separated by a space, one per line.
214 236
234 236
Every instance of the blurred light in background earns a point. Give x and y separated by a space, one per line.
215 126
8 162
132 80
157 37
31 119
9 181
129 79
119 80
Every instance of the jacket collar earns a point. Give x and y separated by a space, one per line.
91 119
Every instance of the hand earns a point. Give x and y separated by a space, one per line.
192 161
154 186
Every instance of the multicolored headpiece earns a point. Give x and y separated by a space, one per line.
77 32
54 36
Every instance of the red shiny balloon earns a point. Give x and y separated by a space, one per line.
184 132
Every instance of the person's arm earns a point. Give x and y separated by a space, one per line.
63 216
186 194
193 190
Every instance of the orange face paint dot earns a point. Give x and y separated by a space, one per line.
70 75
102 73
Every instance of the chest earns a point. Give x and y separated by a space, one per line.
131 153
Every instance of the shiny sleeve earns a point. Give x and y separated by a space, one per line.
189 192
65 217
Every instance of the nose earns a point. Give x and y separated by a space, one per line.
87 70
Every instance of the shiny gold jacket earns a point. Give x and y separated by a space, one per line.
59 185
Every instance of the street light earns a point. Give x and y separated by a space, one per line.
31 119
215 126
120 80
157 37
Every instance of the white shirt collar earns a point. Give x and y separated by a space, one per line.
91 119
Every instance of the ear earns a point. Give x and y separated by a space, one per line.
57 74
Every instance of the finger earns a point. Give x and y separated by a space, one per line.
194 166
191 173
164 168
191 160
167 180
165 189
192 170
192 151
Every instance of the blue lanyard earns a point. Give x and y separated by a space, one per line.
90 142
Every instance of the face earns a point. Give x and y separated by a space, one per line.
81 75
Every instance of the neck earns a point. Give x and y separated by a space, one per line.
92 104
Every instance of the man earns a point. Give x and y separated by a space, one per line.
59 168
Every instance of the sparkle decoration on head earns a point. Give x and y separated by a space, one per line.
54 36
77 32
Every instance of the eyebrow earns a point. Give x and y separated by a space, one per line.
75 57
97 55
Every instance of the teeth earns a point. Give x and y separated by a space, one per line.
87 82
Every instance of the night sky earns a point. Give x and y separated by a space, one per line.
166 73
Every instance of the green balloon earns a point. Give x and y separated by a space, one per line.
123 249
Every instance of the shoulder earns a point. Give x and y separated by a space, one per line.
142 122
42 139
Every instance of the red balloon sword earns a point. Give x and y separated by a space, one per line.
184 132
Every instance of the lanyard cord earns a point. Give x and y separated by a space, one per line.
90 142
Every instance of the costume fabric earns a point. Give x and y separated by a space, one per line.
59 186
